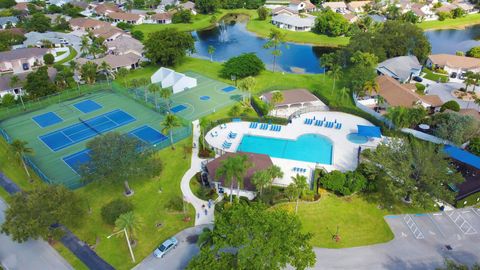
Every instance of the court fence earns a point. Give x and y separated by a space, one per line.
266 119
142 96
38 103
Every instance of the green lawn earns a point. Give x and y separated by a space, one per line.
470 19
261 28
72 54
149 205
430 75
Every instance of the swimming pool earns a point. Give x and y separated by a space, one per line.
309 147
358 139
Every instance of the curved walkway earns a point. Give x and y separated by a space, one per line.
196 166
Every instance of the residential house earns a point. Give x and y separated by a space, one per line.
424 12
466 6
124 45
294 22
128 61
401 68
55 39
81 4
103 10
283 10
99 28
22 60
8 22
378 18
357 6
293 100
58 3
190 6
350 17
259 162
160 18
446 7
453 63
339 7
302 6
404 95
130 18
23 7
16 90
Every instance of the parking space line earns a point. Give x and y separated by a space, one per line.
461 222
413 227
436 225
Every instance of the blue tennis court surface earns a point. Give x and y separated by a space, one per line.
228 89
148 135
75 161
204 98
75 133
47 119
178 108
87 106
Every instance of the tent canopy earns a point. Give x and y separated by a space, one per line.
369 131
462 156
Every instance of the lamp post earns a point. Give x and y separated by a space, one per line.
128 241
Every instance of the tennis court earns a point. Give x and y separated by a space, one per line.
86 129
207 97
61 147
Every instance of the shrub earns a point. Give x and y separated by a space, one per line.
420 87
474 52
175 204
260 106
443 15
474 146
262 13
244 65
344 184
49 58
112 210
450 105
182 16
8 100
138 35
124 26
331 23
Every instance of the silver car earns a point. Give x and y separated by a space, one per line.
165 247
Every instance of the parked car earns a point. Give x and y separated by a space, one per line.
417 79
165 247
453 75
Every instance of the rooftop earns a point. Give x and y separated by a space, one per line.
293 96
22 53
400 67
294 20
455 61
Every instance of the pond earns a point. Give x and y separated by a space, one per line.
231 38
453 40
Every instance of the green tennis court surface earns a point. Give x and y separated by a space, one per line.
207 97
60 147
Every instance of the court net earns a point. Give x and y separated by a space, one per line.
89 126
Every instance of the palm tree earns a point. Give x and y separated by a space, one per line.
203 125
227 171
469 79
343 92
261 179
300 184
14 82
20 149
143 82
129 222
106 68
275 40
154 88
122 73
370 87
211 51
170 122
277 97
84 44
235 111
242 165
166 93
335 72
246 85
275 172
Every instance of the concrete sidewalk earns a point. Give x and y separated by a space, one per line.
32 254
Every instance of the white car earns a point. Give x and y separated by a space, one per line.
165 247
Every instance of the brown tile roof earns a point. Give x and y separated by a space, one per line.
351 17
293 96
395 93
87 23
454 61
358 4
23 6
22 53
114 61
283 9
433 100
106 8
259 162
124 16
107 32
417 9
161 16
18 31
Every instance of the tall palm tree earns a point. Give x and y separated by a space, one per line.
84 44
154 89
143 82
211 51
166 93
242 164
203 125
129 222
15 82
261 179
227 171
300 184
275 40
106 68
469 79
335 72
370 87
20 149
275 172
170 122
277 97
246 85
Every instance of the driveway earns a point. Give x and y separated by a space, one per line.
33 254
177 258
444 91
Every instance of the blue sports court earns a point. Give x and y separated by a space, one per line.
87 106
47 119
178 108
229 89
75 133
148 135
75 161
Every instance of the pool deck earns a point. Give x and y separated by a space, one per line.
344 152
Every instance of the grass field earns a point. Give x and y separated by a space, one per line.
260 28
72 54
430 75
462 22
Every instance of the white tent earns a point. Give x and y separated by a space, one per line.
169 78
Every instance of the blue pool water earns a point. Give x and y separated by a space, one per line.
355 138
309 148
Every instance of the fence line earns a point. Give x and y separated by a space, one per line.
372 113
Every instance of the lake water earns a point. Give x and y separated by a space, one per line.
453 40
232 39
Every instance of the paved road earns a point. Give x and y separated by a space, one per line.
444 91
33 254
179 257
